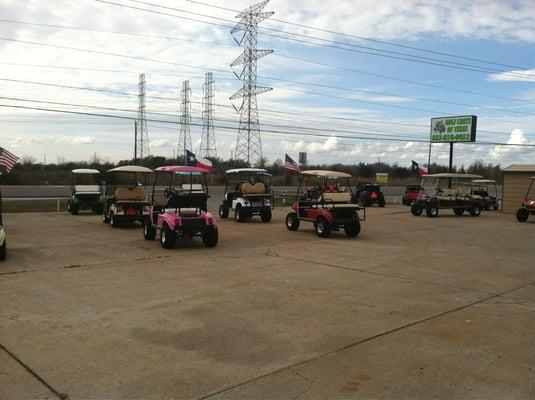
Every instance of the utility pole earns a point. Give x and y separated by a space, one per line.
184 139
141 146
249 142
208 148
135 142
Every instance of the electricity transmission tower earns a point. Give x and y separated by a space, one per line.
208 148
141 146
249 142
184 139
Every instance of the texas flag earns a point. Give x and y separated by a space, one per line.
194 161
418 169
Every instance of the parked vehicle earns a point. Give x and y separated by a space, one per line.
325 199
412 194
3 244
452 191
528 203
368 194
247 193
85 191
179 207
487 190
124 197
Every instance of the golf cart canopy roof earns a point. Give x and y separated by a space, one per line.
85 171
452 176
326 174
132 168
483 181
248 170
181 169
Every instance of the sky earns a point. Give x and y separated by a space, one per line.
359 89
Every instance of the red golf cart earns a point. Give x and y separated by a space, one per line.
528 203
179 207
324 198
412 194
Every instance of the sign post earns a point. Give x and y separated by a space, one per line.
459 129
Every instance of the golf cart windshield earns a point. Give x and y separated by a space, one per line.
128 182
314 184
239 177
484 187
180 187
86 180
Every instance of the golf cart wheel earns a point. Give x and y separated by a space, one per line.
292 222
105 219
416 210
167 237
75 207
322 227
352 228
239 214
522 215
403 201
149 231
458 211
113 221
381 202
69 206
475 211
210 237
3 251
266 216
223 212
431 212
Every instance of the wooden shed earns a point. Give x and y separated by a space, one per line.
515 185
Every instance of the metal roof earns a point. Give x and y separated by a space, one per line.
240 170
453 176
326 174
132 168
85 171
520 168
483 181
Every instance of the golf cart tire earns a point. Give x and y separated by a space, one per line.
292 221
458 211
266 216
74 208
223 212
167 237
381 202
210 237
522 214
403 201
475 211
105 219
431 212
416 210
239 215
113 221
352 228
3 251
149 231
322 227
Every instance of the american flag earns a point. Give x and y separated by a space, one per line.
7 159
291 165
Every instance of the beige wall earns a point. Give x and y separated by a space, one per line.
515 186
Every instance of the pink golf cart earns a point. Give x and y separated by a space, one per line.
179 207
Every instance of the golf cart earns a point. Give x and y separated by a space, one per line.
412 194
368 194
324 202
528 203
179 207
124 197
487 190
247 193
3 246
85 191
452 191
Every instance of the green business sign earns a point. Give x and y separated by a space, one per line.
454 129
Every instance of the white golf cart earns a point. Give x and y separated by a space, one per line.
85 191
124 197
247 193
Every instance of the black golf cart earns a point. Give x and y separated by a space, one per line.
368 194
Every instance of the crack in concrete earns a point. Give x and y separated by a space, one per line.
58 394
310 383
365 340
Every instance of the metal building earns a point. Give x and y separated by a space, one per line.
515 185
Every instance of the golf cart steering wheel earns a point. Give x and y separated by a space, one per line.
168 192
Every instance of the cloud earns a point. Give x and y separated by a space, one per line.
329 146
21 141
503 152
159 143
526 75
76 140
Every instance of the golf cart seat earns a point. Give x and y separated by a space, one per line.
337 197
127 195
257 188
447 193
184 212
194 187
89 189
